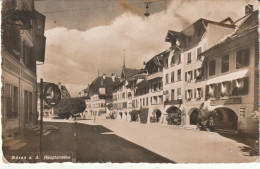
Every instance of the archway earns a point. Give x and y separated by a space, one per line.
156 115
226 119
194 117
173 115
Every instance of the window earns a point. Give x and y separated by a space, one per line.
188 76
179 92
188 94
179 58
212 67
179 75
147 101
172 77
189 58
198 73
172 94
160 99
242 58
11 104
225 64
160 85
166 63
173 59
198 93
176 58
198 53
167 78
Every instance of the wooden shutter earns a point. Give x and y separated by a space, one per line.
185 76
201 92
207 92
246 85
195 90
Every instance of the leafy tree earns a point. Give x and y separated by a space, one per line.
69 106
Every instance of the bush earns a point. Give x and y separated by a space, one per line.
174 118
143 114
206 120
69 106
134 115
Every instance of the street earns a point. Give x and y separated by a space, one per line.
118 141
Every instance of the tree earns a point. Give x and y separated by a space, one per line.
69 106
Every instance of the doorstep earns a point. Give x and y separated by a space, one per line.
189 127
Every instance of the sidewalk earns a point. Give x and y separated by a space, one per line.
179 144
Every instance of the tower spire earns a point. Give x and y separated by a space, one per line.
124 61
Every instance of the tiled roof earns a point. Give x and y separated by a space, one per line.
99 82
129 72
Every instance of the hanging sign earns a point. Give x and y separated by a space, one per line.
52 94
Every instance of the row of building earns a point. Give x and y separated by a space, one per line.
209 66
23 46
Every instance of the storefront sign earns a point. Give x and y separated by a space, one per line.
172 102
226 101
242 111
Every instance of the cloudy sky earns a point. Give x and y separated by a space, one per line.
86 35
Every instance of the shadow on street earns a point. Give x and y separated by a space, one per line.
94 143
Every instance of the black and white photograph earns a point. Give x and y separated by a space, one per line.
130 81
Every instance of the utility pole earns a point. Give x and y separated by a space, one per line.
41 117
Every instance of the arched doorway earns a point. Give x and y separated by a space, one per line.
156 115
194 117
226 119
173 115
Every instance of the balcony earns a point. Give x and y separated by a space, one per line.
155 75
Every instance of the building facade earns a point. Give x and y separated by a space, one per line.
232 78
99 98
23 44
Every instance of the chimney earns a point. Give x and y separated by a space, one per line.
104 76
249 9
113 77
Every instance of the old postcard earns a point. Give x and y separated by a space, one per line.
138 81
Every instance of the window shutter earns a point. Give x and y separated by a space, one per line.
195 90
217 90
201 92
229 88
246 57
185 76
191 93
207 92
233 88
246 85
185 94
191 75
195 73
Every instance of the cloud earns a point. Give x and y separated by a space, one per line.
73 57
